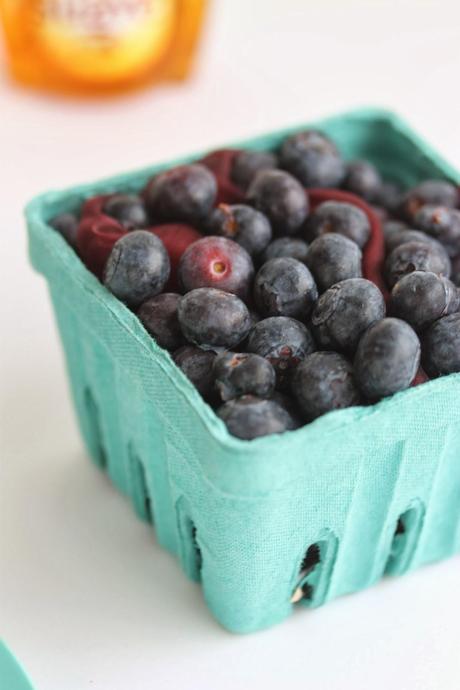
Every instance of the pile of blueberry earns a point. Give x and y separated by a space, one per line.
248 268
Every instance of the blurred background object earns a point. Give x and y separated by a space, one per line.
98 45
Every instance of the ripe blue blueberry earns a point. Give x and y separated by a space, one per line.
441 346
341 218
247 164
292 247
239 374
243 224
332 258
436 192
285 287
364 179
216 262
283 341
186 193
324 382
409 235
415 256
442 223
422 297
250 417
137 267
313 159
213 319
344 312
389 196
67 225
128 209
455 275
281 198
159 317
196 364
387 358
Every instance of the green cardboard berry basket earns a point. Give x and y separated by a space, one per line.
377 489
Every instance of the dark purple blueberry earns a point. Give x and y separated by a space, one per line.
409 235
186 193
443 224
387 358
218 263
313 159
455 275
249 417
422 297
340 218
137 267
434 192
243 224
389 196
239 374
364 179
441 346
67 225
281 198
332 258
247 164
415 256
213 319
292 247
285 287
197 366
343 313
128 209
283 341
289 403
324 382
392 228
159 317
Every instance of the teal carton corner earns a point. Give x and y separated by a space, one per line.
377 489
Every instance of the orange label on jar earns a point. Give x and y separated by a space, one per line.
99 40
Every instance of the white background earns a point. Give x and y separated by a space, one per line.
88 600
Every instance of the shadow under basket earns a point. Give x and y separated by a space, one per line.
289 520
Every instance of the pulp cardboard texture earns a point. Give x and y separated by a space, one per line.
241 515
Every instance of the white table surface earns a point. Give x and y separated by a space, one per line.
87 599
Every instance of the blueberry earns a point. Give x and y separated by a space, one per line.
313 159
422 297
387 358
239 374
441 346
364 179
216 262
341 218
67 225
389 196
249 417
442 223
415 256
128 209
243 224
392 228
292 247
289 403
455 275
159 317
324 382
436 192
213 319
283 341
196 364
137 267
409 235
185 193
247 164
343 313
281 198
285 287
332 258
